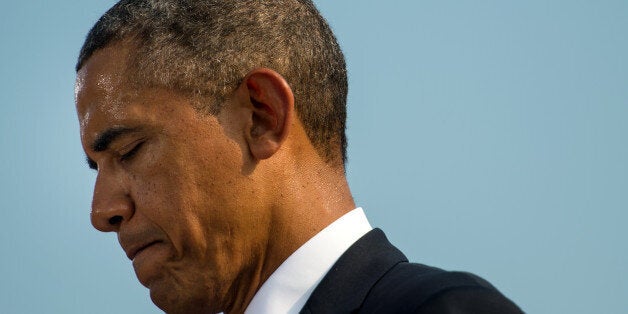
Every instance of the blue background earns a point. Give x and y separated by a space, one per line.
488 136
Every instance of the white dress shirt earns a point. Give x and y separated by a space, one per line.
291 285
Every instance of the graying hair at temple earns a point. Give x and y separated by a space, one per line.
204 48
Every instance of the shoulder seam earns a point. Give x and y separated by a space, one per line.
366 297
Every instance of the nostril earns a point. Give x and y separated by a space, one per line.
115 220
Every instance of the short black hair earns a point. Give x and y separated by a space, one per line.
206 47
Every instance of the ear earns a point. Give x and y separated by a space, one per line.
271 105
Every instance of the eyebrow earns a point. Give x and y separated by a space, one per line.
104 139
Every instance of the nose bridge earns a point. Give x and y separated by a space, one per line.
111 202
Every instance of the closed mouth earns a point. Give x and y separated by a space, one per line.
140 249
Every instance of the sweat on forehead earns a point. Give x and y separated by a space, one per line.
204 48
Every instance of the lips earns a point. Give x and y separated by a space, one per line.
135 240
133 250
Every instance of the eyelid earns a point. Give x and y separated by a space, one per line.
128 150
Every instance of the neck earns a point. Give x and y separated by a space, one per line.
310 198
313 198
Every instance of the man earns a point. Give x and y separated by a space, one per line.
217 130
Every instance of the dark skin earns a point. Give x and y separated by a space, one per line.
206 206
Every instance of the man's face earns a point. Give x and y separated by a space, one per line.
170 183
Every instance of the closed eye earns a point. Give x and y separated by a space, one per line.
130 154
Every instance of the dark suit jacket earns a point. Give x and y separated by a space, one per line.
373 276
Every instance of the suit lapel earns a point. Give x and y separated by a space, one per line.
348 282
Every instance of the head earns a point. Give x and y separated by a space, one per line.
193 114
205 48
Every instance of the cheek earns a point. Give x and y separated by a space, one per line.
152 191
196 192
183 196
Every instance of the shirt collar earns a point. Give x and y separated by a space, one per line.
292 283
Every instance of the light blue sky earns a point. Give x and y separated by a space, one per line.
488 136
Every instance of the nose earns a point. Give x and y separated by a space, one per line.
111 203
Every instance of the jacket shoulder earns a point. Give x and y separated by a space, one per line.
417 288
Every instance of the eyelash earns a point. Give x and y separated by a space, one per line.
130 154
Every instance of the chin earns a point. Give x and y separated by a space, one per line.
175 300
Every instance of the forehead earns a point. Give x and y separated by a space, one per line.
106 100
101 80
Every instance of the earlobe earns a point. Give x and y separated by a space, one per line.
271 104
